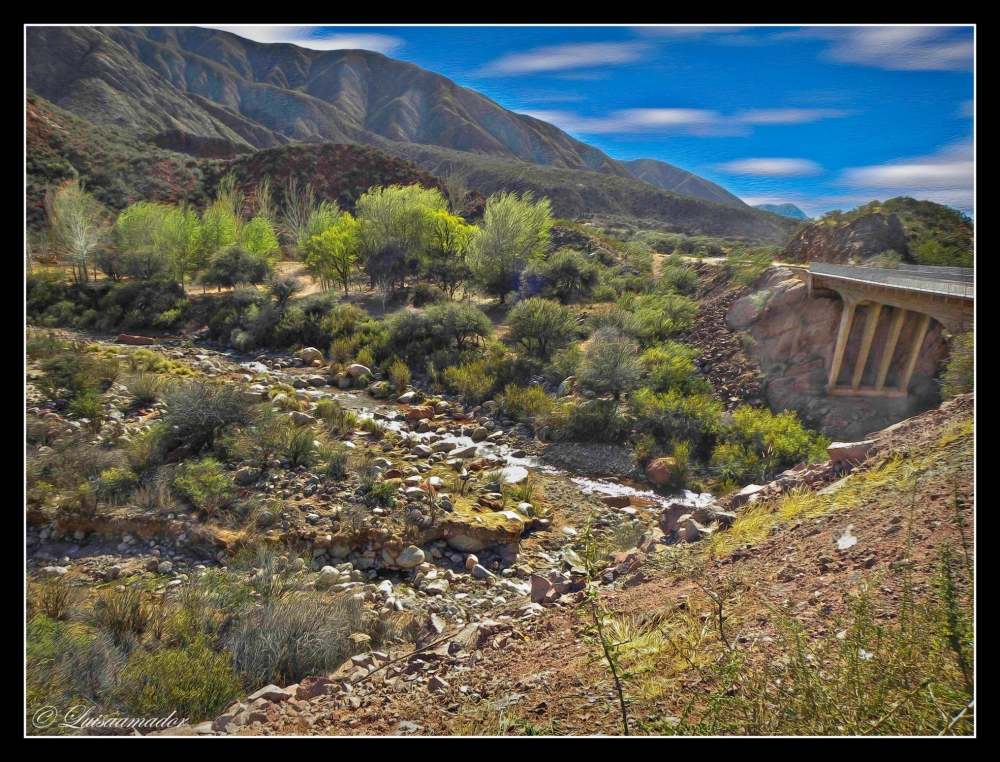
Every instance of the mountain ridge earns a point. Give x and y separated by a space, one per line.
785 210
668 177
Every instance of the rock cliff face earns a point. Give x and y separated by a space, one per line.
793 338
848 242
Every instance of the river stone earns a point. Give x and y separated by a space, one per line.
301 419
309 354
410 557
357 370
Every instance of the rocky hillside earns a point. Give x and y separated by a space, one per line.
918 231
116 167
786 210
337 172
678 180
793 337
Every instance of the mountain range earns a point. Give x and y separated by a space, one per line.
214 95
785 210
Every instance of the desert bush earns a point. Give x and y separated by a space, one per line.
671 415
197 412
286 640
610 363
124 614
541 326
117 482
590 421
566 276
147 388
195 681
327 409
525 403
425 293
671 366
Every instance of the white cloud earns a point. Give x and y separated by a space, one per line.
771 167
903 48
946 177
693 121
789 115
313 37
565 57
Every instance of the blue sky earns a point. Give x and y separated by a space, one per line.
823 117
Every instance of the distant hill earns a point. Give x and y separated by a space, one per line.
922 232
337 172
177 84
577 194
671 178
785 210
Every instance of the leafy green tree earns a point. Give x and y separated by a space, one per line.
78 226
610 363
259 238
514 231
220 228
394 230
180 235
332 255
541 325
444 261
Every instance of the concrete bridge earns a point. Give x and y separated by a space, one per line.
911 295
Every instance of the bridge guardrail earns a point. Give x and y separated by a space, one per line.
894 278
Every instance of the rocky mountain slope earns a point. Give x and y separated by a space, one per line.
678 180
918 231
214 95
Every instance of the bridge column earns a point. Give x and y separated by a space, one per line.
895 326
871 321
846 318
918 341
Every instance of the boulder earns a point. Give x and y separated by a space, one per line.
410 557
465 452
272 693
420 412
853 453
309 354
246 476
301 419
357 370
566 387
539 587
661 470
746 495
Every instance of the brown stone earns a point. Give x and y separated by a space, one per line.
124 338
616 501
661 470
420 412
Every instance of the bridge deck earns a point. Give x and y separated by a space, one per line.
925 280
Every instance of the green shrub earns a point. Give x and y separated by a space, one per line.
530 403
195 681
147 388
959 375
116 482
566 276
758 444
671 366
672 416
125 615
473 380
425 293
590 421
399 376
197 412
88 405
327 409
203 483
